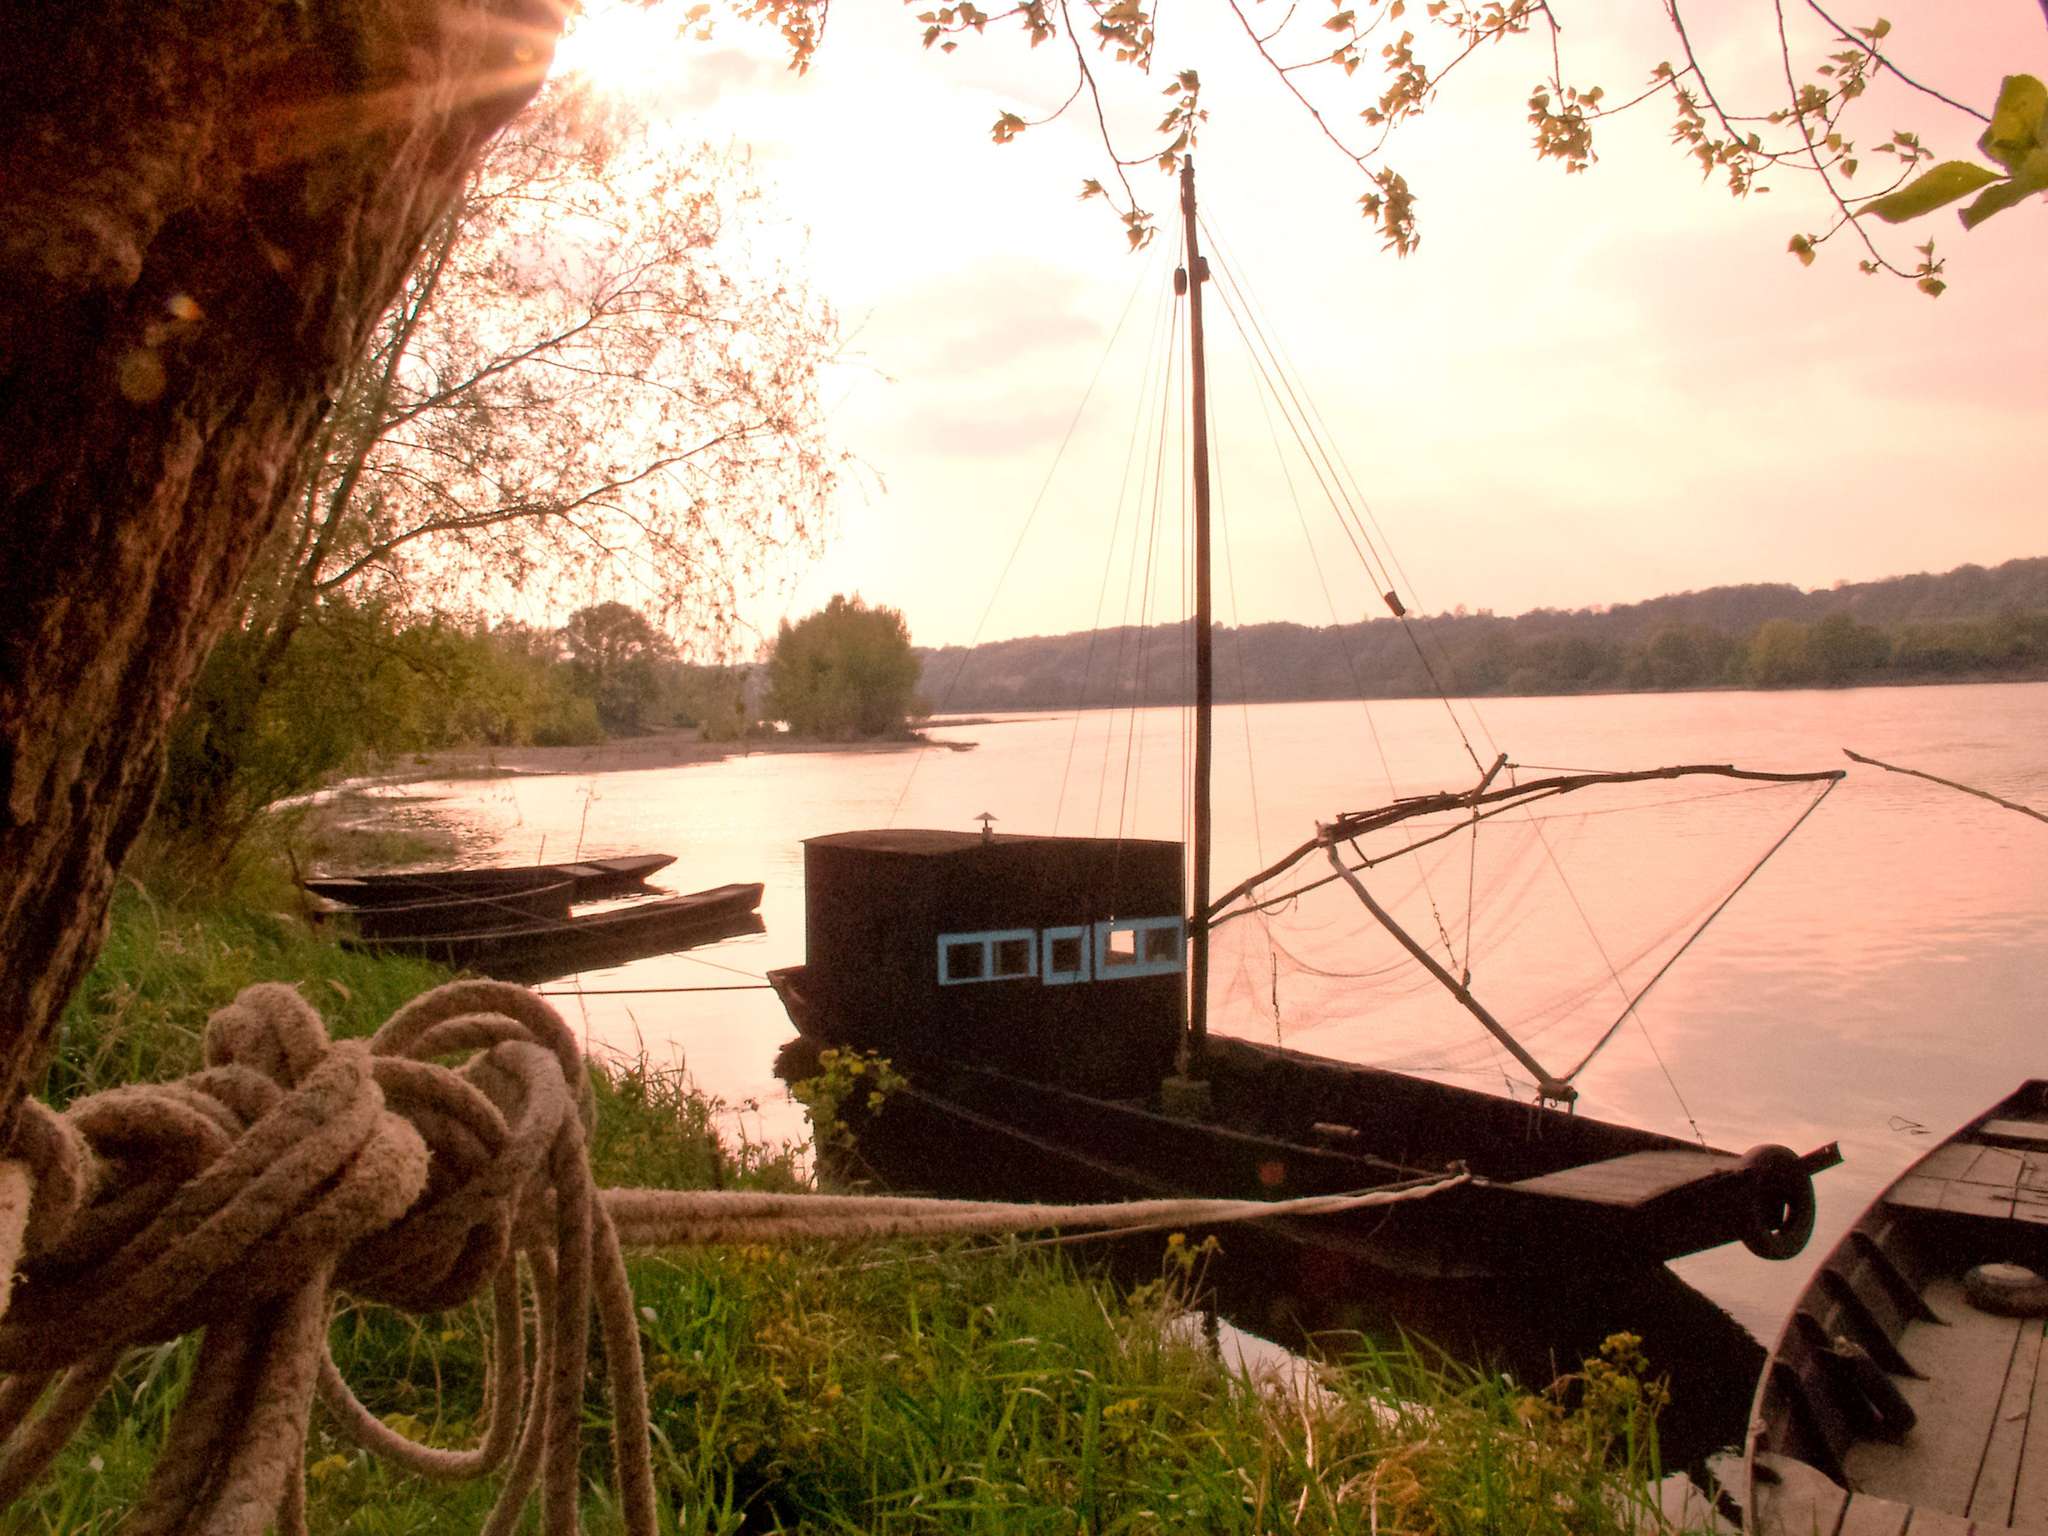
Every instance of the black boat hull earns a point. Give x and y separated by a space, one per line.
511 907
539 951
1550 1190
590 880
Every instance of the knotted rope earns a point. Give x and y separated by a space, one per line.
239 1199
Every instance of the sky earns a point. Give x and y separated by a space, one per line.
1580 390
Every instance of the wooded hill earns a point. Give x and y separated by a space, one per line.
1969 623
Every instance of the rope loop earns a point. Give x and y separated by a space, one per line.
238 1200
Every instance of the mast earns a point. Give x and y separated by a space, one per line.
1197 272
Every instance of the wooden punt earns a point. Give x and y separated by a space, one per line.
549 947
1901 1397
590 879
506 908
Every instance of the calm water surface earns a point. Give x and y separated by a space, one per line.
1879 982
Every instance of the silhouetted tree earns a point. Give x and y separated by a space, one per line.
612 650
846 671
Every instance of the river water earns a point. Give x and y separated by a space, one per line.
1878 982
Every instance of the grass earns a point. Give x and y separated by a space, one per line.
877 1388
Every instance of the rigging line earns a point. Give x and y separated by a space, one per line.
1248 328
1325 436
734 986
1282 396
1318 459
1471 876
1244 704
917 757
1630 1011
1151 403
1266 403
697 959
1131 491
1134 741
1108 565
1318 433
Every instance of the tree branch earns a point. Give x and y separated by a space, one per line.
1981 794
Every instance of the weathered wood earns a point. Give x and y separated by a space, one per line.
2030 1482
1789 1498
1998 1477
1916 1193
2030 1133
1632 1180
1938 1522
1965 1361
1868 1515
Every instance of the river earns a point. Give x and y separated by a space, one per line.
1878 982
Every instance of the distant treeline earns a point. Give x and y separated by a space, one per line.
1971 623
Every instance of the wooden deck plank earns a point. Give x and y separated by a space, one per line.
1952 1160
1868 1515
2033 1133
1935 1522
1992 1498
2000 1166
1966 1361
2030 1483
1789 1498
1629 1180
1917 1192
1979 1200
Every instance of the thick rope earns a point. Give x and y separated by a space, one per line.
239 1200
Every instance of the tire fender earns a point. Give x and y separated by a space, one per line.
1781 1205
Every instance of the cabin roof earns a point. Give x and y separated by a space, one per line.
933 841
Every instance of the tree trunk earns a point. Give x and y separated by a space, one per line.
203 210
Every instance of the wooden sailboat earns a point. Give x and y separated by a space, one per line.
1046 999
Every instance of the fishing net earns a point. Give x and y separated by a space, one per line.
1557 911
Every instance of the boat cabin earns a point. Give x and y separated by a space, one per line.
1060 959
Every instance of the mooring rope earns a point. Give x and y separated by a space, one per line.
238 1200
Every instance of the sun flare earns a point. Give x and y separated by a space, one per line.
621 47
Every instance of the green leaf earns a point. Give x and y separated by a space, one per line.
1928 191
1994 200
2016 120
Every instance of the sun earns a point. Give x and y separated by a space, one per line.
625 48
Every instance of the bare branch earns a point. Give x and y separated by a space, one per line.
1981 794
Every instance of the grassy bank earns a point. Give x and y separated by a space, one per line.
879 1387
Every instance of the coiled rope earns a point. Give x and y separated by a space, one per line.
239 1199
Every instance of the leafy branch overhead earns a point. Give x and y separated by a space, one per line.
1360 69
2015 142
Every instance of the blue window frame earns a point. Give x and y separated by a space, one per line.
1002 954
1064 956
1140 946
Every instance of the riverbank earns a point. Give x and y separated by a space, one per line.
887 1387
679 747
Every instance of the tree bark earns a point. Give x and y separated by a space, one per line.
203 210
